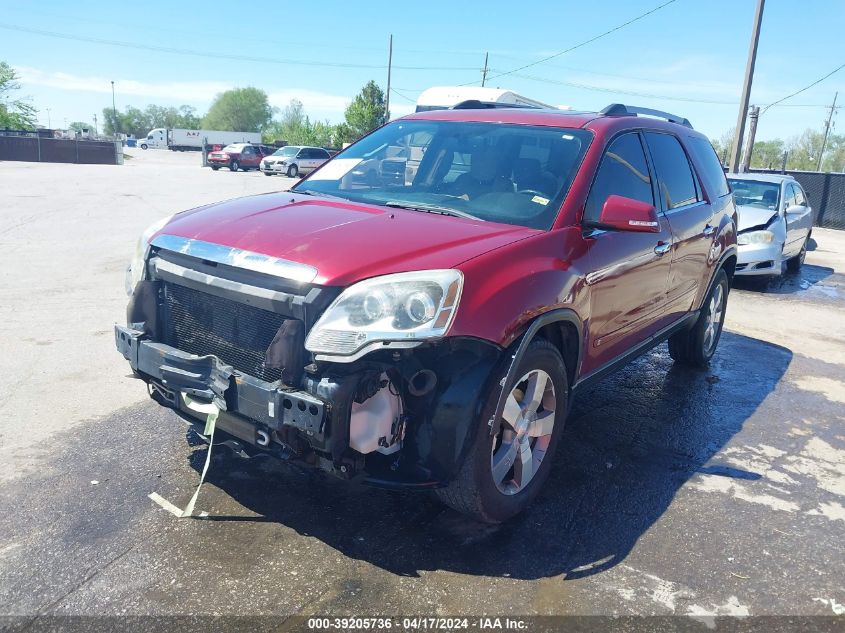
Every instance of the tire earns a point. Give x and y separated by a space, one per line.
234 166
474 491
215 167
695 346
143 146
267 173
293 171
794 264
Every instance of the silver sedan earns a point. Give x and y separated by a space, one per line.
774 223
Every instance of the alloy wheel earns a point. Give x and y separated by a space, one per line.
525 432
714 318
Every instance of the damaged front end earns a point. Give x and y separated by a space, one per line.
232 330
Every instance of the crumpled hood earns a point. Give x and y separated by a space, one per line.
748 216
344 241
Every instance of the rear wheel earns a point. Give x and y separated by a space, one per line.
293 171
234 166
697 345
506 466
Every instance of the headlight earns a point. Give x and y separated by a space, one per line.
755 237
135 271
402 307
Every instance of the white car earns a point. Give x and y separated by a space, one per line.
294 160
774 223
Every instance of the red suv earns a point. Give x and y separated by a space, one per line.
239 156
427 326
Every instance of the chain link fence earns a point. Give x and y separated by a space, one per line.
825 191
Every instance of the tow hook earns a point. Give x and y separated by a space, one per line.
262 438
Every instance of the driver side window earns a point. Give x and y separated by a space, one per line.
623 172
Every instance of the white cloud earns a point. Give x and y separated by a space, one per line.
185 91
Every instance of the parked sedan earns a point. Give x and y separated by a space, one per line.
294 160
239 156
774 224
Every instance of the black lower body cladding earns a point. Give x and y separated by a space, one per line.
253 364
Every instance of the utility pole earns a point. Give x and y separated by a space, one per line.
389 68
827 131
484 70
746 88
113 109
49 124
752 132
96 133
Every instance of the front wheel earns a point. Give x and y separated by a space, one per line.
508 463
794 264
143 146
267 173
293 171
697 345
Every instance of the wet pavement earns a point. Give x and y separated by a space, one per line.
675 491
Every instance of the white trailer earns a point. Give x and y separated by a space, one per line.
445 97
181 140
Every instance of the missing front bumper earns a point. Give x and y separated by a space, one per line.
207 377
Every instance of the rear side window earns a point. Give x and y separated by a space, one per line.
790 195
321 153
674 173
623 172
711 169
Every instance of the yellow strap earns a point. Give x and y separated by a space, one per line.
211 411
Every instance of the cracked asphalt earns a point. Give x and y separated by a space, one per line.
674 492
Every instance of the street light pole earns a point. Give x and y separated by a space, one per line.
736 149
113 109
389 69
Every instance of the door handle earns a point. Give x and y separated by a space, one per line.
662 248
709 230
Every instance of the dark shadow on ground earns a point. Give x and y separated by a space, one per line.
630 444
788 282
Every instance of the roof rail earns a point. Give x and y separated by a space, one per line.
475 104
620 109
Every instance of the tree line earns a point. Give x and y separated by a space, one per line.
249 110
802 151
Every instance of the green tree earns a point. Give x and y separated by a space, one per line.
365 113
767 154
804 150
240 110
296 128
723 145
17 114
834 153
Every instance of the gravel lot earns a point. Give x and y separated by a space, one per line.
675 492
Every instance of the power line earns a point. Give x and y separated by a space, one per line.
584 43
797 92
206 54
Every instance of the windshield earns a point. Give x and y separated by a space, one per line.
515 174
754 193
286 151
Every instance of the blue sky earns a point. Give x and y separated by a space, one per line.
688 57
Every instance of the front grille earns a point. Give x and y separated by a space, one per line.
236 333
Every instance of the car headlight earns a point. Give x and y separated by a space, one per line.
755 237
405 307
135 271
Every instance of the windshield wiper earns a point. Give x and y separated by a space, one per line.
311 192
430 208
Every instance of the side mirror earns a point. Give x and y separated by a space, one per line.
626 214
794 208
